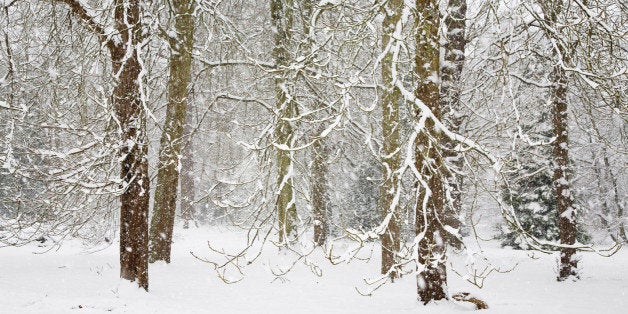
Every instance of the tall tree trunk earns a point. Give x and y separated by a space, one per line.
285 207
391 159
180 63
321 148
133 151
558 97
129 111
451 85
564 202
431 272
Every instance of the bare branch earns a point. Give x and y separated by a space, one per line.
81 13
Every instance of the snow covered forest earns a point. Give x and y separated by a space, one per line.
313 156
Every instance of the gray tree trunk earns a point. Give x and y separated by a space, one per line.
282 21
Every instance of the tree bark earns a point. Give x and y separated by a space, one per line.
133 152
391 159
180 63
188 211
451 85
282 19
129 111
558 97
431 272
564 202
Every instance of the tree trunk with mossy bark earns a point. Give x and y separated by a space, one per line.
391 99
285 207
180 62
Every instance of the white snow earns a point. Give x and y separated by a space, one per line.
323 3
535 207
72 278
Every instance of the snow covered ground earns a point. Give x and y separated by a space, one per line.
75 278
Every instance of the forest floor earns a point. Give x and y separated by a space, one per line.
76 278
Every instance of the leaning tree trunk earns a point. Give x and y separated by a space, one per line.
451 86
431 272
285 207
391 159
180 63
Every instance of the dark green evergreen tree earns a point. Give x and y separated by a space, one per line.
529 189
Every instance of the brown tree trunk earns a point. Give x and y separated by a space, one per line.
391 159
451 85
558 97
564 202
285 207
130 113
129 110
431 272
162 223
